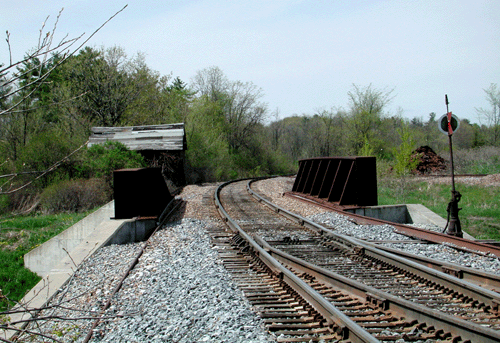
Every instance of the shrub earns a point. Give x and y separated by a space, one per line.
75 196
405 163
4 204
22 201
41 153
482 160
100 160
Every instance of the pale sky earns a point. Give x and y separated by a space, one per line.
305 55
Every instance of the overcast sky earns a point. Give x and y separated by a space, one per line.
305 55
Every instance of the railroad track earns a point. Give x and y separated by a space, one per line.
427 235
483 279
388 277
382 296
286 315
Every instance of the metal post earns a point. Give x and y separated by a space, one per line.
453 225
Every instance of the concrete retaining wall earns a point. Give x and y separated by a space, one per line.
394 213
402 214
55 265
43 258
132 231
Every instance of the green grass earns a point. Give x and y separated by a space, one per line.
19 235
480 214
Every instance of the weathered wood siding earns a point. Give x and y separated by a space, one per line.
167 137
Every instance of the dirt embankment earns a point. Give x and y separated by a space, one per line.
429 161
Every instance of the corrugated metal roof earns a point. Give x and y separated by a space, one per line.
148 137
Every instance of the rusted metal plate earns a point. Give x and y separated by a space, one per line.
140 192
341 180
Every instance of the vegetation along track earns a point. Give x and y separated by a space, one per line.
391 297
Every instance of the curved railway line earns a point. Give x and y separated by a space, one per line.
343 288
310 283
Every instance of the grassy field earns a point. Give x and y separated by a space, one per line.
480 214
18 235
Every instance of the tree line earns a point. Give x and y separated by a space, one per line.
48 106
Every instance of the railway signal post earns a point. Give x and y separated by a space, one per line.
448 124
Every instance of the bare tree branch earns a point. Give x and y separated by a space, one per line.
5 340
8 44
64 318
30 333
53 167
43 50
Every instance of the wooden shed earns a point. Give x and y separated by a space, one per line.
160 145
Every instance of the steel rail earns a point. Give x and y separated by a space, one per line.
489 298
480 278
469 274
347 327
403 308
407 230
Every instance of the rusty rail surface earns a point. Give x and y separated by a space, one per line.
483 279
384 300
431 236
329 312
487 298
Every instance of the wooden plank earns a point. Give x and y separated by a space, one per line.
178 126
147 137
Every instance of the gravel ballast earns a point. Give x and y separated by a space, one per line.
180 292
340 224
83 296
275 188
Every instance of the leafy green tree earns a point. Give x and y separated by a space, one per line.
208 154
273 161
212 83
36 111
405 163
17 130
364 118
465 137
332 129
295 137
492 116
366 149
178 97
33 167
417 122
243 112
239 103
100 160
38 77
37 58
173 101
107 84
